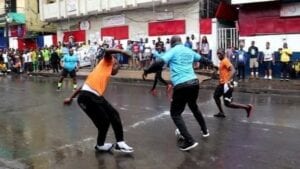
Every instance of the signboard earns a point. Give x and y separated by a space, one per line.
84 25
235 2
290 9
164 16
71 5
113 20
85 56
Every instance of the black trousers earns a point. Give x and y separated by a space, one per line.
158 77
285 69
241 70
186 94
102 114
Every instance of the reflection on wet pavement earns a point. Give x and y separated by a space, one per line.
37 131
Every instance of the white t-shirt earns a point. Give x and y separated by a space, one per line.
147 48
167 46
194 43
268 55
5 57
28 55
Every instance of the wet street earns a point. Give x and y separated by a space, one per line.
38 131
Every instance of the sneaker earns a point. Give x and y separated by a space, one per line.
266 77
188 146
104 148
123 147
206 134
249 110
270 77
220 115
178 135
287 79
153 92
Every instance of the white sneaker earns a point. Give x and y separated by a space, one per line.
270 77
266 77
205 135
105 147
123 147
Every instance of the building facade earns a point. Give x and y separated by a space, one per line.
24 25
269 20
96 20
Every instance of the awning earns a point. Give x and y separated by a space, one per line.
226 12
18 18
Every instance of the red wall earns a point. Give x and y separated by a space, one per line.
173 27
265 18
118 32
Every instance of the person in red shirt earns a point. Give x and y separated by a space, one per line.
135 54
225 87
93 103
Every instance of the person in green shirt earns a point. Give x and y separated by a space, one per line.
285 58
46 54
34 60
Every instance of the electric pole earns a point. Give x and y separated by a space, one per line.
7 10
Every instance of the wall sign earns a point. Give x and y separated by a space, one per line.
290 9
84 25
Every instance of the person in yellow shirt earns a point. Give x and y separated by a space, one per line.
285 58
93 103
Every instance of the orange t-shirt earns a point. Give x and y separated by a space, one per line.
99 77
224 70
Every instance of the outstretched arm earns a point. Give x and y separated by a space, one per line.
69 100
110 51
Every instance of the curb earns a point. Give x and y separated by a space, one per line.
202 86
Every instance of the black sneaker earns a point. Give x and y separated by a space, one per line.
220 115
185 146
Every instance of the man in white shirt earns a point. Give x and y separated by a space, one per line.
194 43
268 61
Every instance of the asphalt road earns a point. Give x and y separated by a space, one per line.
37 131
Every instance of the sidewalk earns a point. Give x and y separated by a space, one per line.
257 86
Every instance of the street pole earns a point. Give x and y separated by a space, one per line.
7 10
7 32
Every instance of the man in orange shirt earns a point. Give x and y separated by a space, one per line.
93 103
225 87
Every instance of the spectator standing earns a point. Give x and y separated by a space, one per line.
46 55
129 50
253 53
119 55
194 43
285 58
147 52
34 59
135 54
204 51
167 45
54 60
188 43
268 61
241 59
6 59
27 62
